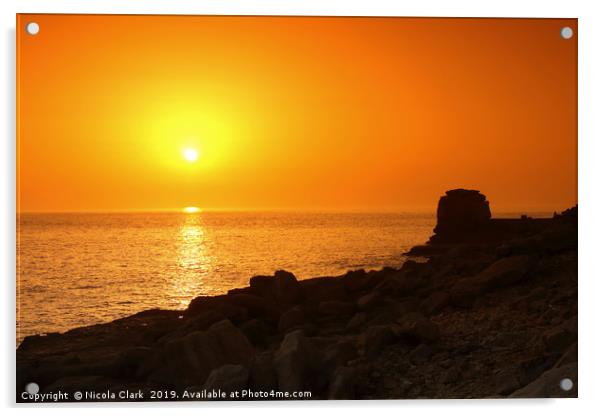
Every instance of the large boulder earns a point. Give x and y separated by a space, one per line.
504 272
398 284
359 280
256 306
321 289
282 288
235 306
207 308
296 362
190 359
288 290
294 318
234 346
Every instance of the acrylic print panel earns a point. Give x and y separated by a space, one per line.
252 208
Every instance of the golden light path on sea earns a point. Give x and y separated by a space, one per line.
193 261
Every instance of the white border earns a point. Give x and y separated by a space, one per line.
590 135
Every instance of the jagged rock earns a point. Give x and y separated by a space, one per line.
288 290
202 304
428 250
360 280
324 289
416 270
240 291
291 319
296 361
200 320
262 286
233 344
228 378
282 288
190 359
355 280
504 272
208 308
342 384
399 284
257 307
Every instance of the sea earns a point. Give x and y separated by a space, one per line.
80 269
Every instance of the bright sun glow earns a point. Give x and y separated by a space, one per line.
191 210
190 154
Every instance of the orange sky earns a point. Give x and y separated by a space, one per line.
294 113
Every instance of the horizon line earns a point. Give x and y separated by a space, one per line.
414 210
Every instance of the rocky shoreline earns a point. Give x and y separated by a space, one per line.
481 318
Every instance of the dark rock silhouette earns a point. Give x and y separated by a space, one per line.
491 312
464 217
461 211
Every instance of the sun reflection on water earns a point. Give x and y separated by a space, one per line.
193 262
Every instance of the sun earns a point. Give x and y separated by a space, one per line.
191 210
190 154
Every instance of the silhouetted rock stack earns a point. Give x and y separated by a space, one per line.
464 217
493 319
461 212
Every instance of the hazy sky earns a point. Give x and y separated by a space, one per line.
294 113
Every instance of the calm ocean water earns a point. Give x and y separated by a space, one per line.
81 269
